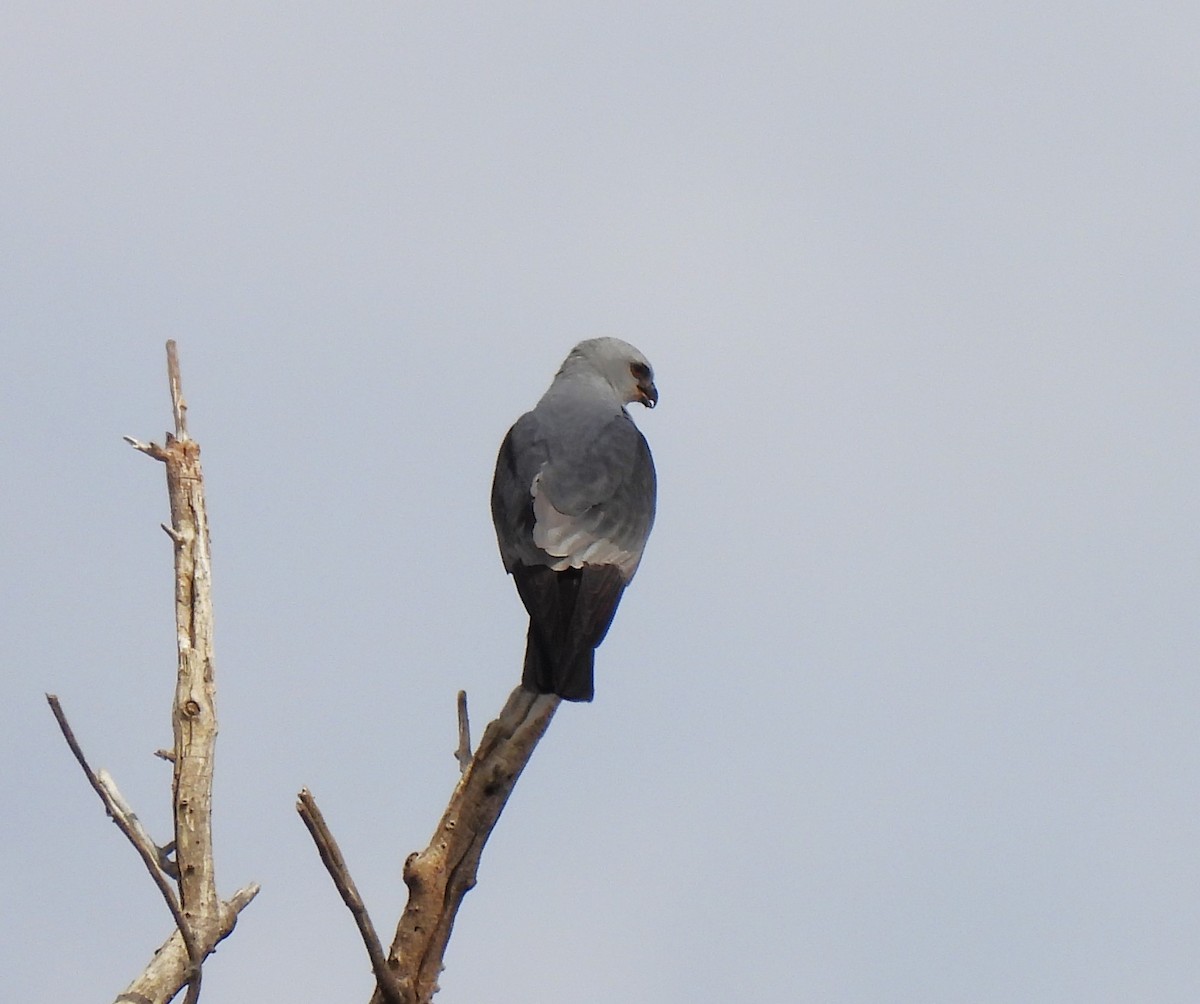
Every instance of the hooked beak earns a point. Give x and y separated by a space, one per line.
648 394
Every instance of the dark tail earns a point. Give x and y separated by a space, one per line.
568 674
569 613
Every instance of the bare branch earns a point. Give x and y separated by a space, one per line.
178 404
439 877
162 854
202 920
193 713
463 753
128 823
166 973
150 449
335 864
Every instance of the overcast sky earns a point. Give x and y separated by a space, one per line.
902 706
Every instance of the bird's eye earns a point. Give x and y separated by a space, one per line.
640 371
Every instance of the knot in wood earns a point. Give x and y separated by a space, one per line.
411 878
191 708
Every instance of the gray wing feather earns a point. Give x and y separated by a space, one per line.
589 465
521 457
608 499
584 492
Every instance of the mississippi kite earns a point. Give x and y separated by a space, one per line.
573 503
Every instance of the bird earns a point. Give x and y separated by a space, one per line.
573 502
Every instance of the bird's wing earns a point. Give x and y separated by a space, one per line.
593 501
522 455
569 493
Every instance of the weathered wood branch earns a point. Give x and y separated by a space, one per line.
335 864
463 753
119 811
202 919
441 875
194 712
167 972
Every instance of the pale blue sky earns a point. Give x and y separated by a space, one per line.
902 705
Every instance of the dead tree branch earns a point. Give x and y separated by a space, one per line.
168 968
335 864
463 753
153 856
202 919
441 875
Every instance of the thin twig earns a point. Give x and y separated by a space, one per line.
335 864
162 854
135 833
178 403
150 449
463 753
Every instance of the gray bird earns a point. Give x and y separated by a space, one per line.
573 504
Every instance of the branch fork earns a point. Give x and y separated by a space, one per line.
187 880
439 876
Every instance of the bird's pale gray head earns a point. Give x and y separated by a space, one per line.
626 370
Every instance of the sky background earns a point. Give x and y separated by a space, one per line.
902 706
